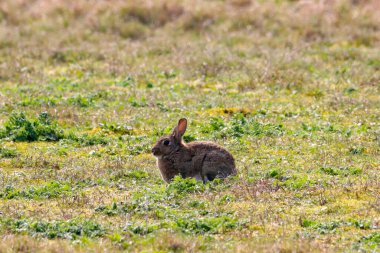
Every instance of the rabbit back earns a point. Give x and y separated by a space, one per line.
212 160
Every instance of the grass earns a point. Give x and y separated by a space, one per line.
50 190
20 128
291 88
71 229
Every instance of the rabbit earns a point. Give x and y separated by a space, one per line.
201 160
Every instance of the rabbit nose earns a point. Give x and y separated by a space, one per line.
155 151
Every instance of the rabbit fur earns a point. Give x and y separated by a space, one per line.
201 160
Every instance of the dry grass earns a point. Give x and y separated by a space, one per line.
291 88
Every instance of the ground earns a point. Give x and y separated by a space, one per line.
290 88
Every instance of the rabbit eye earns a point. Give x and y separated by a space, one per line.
166 142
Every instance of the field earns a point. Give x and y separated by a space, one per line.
290 88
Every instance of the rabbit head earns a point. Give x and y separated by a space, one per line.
171 143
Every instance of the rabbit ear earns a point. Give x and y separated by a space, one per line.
180 129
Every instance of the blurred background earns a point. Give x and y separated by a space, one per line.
253 40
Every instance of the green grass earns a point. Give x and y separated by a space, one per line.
20 128
49 190
72 229
290 88
7 153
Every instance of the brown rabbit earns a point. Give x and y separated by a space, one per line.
202 160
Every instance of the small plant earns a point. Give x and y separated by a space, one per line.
144 229
137 102
226 199
138 205
330 171
80 101
137 174
341 171
49 190
329 227
362 224
306 223
274 173
239 126
7 153
117 128
88 140
127 81
112 210
349 90
215 124
72 229
197 204
20 128
371 241
297 182
134 174
181 185
212 225
357 150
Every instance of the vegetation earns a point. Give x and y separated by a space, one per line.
290 88
19 128
71 229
